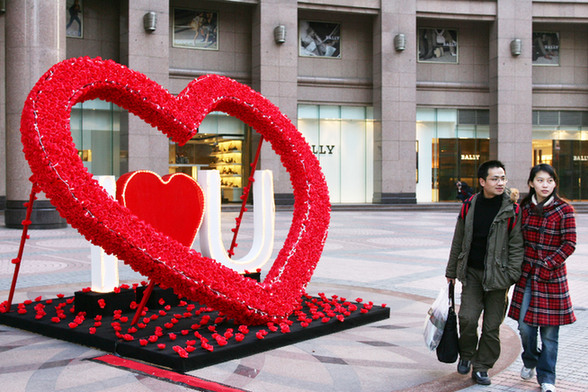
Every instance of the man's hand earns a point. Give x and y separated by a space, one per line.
451 280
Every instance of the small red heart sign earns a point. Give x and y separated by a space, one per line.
59 172
174 204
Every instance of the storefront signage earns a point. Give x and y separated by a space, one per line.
582 158
545 48
323 149
470 157
319 39
437 45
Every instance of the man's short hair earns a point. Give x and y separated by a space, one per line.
484 167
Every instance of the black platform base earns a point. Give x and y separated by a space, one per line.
185 336
43 215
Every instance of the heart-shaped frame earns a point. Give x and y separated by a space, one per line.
59 172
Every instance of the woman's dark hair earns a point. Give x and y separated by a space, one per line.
552 173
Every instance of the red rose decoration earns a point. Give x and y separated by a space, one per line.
59 172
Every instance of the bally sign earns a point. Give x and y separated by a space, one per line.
470 157
323 149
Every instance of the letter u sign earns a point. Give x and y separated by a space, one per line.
211 243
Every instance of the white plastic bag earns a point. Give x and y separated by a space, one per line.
436 319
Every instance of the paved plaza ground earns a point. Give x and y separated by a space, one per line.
395 257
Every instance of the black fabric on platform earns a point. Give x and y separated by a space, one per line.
176 328
88 301
158 297
448 348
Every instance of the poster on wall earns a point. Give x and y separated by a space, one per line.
320 39
75 17
545 48
195 29
437 45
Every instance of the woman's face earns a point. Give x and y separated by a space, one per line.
543 184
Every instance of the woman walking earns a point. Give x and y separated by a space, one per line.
541 300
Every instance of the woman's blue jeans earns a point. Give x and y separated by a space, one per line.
544 359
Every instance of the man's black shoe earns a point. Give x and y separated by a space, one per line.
481 378
463 366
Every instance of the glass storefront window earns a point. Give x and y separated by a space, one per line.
95 128
336 133
560 138
451 145
222 143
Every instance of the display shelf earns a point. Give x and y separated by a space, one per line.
225 164
227 152
228 156
216 152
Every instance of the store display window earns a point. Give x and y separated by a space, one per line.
452 144
222 143
560 138
437 45
342 139
95 129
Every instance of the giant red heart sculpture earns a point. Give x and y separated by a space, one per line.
172 204
58 170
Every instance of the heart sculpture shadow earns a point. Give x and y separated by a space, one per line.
59 172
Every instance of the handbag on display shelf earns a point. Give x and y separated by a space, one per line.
448 348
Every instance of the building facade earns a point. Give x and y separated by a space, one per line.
399 100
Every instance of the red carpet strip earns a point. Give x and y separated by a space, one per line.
163 374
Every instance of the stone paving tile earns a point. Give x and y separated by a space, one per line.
394 257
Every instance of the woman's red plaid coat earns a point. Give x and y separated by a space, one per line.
549 240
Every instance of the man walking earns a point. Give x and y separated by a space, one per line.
486 256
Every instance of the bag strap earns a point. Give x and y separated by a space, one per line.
451 295
513 221
465 207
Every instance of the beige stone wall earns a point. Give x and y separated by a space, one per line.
31 49
369 73
274 74
511 91
464 84
234 55
101 31
339 80
394 97
2 114
148 52
563 87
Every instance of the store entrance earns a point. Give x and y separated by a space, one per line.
457 160
570 160
222 143
225 153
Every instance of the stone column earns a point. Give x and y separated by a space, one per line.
395 104
35 41
2 112
511 90
274 75
147 52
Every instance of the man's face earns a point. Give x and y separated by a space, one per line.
495 183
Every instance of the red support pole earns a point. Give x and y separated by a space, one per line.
25 228
146 295
244 197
